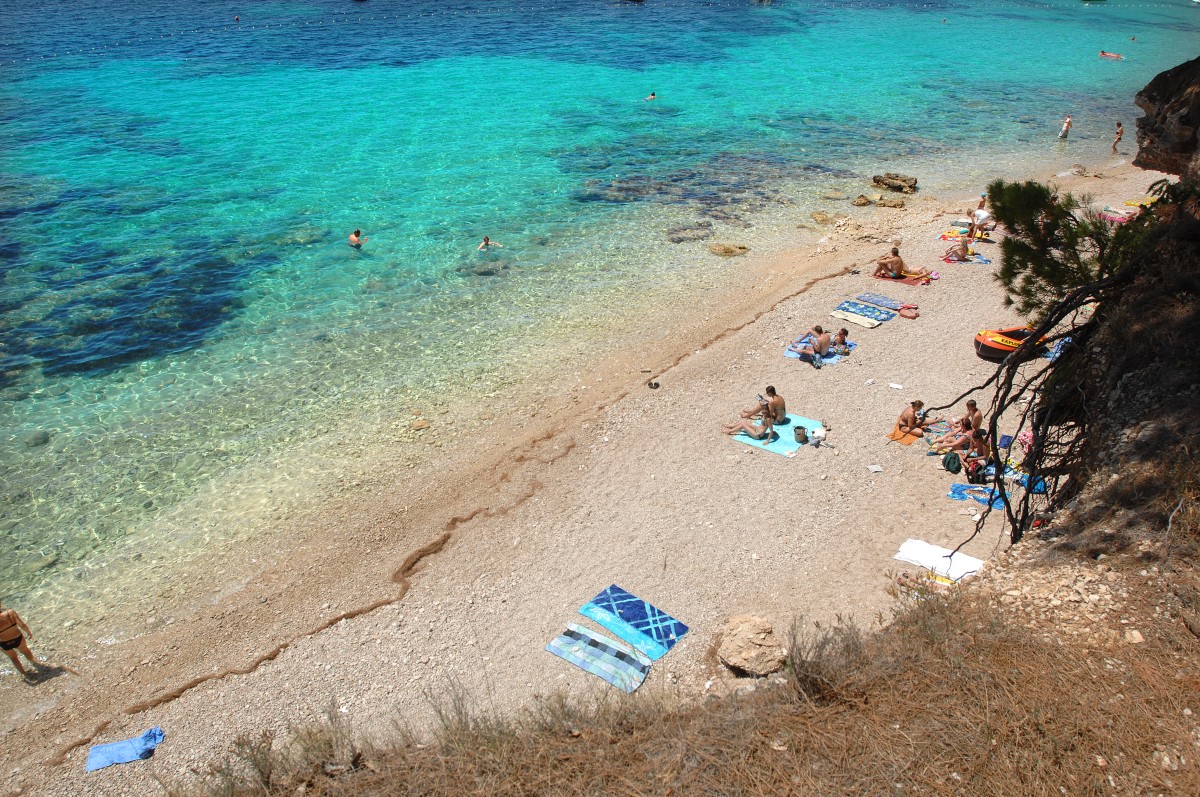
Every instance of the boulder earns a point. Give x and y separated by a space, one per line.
728 250
692 232
890 203
748 645
896 182
1167 134
38 438
860 201
821 217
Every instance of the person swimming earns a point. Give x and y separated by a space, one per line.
488 243
356 239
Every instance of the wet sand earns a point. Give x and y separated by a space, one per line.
459 569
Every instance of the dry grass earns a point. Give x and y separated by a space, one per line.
952 699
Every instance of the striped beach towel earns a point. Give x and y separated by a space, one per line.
624 668
643 625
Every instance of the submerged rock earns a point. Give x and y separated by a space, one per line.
748 645
693 232
894 181
38 438
728 250
890 203
821 217
860 201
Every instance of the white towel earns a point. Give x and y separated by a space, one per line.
938 560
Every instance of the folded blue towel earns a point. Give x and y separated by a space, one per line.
870 311
880 300
645 626
135 749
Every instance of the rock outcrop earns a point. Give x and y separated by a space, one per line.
748 645
860 201
896 182
1167 133
728 250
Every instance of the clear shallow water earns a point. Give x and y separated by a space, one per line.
176 296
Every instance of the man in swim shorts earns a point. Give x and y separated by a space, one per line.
1066 127
774 404
357 239
890 265
814 344
12 640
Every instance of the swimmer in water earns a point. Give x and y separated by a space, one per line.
488 242
357 239
652 96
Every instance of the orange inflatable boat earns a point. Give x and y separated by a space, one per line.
996 344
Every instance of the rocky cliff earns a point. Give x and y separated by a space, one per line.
1167 133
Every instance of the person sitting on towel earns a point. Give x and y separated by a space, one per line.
772 402
978 450
815 344
972 420
890 265
961 251
912 420
841 342
764 431
954 441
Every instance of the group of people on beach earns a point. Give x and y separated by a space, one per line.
966 435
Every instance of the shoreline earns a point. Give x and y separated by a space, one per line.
551 437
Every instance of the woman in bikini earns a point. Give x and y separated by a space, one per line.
12 640
763 432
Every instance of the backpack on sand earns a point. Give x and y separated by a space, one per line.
952 462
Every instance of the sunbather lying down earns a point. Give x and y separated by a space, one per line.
959 440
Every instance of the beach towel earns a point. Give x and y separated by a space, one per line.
828 359
855 318
971 259
624 668
870 311
880 300
649 629
937 559
1057 349
1144 201
906 280
784 442
937 429
1006 441
988 496
135 749
903 438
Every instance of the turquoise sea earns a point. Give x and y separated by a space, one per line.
179 309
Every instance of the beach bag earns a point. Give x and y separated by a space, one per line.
952 462
801 435
975 472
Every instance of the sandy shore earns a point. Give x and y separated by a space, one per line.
459 574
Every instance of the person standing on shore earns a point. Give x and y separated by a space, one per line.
1066 127
1117 140
357 239
12 640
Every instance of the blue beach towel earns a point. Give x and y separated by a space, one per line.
784 441
135 749
648 628
624 668
1054 351
870 311
828 359
980 259
988 496
879 300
